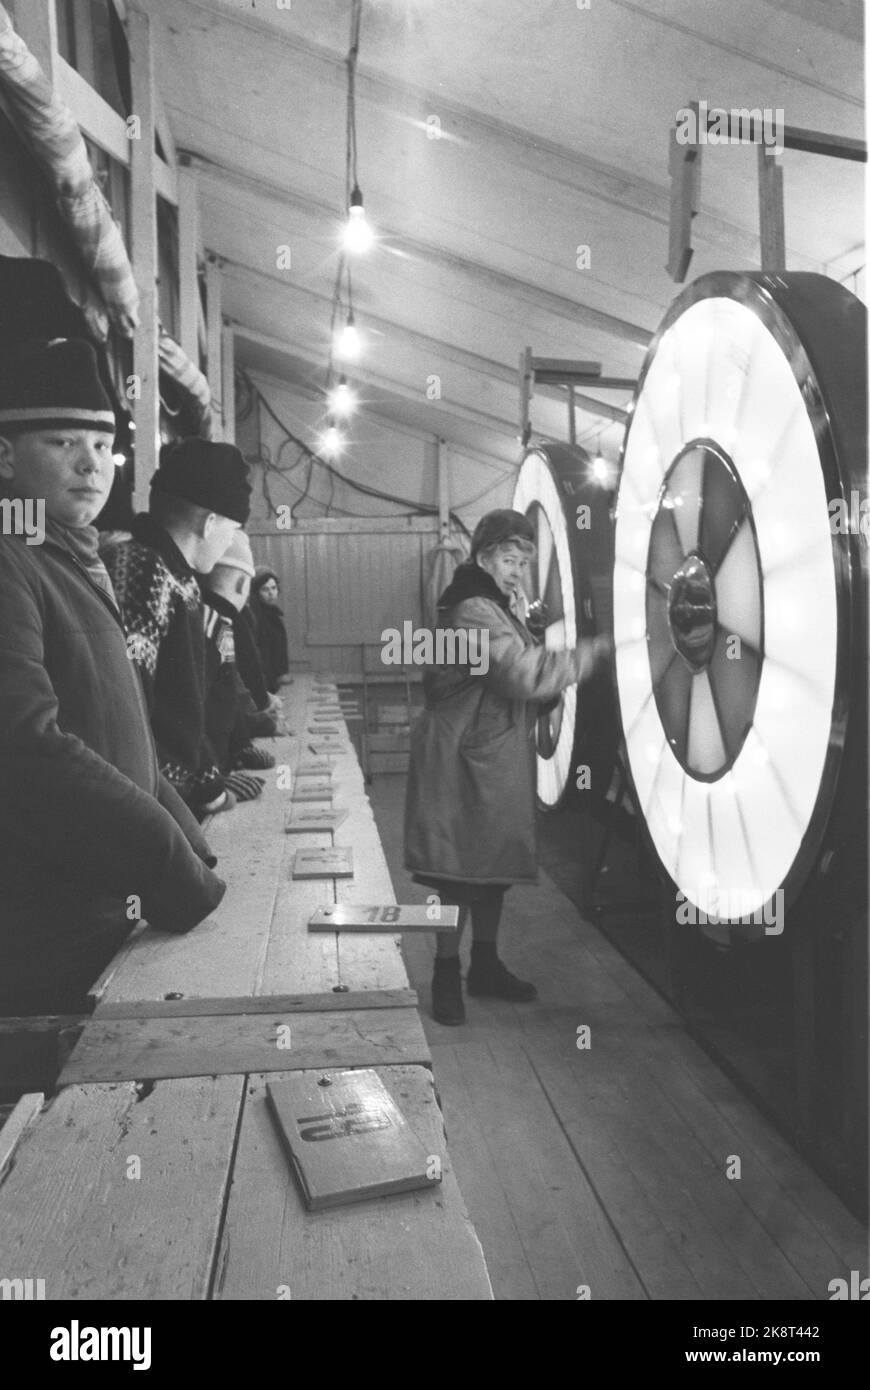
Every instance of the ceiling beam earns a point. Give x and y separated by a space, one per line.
366 376
320 307
557 304
502 462
758 56
511 144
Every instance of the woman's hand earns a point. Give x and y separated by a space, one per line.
536 619
592 654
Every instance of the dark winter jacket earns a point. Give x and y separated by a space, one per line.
271 641
248 662
160 599
231 719
87 823
470 799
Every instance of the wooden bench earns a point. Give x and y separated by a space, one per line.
156 1172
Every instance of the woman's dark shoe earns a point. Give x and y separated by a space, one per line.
490 977
447 1002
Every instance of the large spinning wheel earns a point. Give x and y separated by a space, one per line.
571 574
738 599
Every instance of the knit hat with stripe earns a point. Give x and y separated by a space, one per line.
54 385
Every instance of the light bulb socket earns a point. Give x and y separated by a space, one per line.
356 197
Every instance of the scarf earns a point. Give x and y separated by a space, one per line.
81 541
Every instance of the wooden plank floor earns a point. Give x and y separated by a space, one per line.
607 1166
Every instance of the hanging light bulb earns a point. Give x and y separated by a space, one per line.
342 401
348 344
119 459
358 235
332 439
600 469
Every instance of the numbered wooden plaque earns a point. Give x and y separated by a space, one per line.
298 820
326 746
312 789
334 862
386 918
315 765
347 1139
328 729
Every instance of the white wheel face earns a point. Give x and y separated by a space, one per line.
551 579
725 608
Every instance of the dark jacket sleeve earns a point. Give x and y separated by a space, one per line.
79 814
248 662
186 821
514 670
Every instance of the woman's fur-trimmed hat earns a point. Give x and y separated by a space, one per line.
499 526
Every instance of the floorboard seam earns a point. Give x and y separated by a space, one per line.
588 1178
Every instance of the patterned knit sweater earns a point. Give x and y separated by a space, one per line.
160 600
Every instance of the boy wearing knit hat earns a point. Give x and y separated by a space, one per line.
200 496
232 717
91 836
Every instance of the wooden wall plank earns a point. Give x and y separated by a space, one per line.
143 208
411 1246
189 302
70 1213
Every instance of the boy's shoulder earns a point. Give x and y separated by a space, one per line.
23 560
141 575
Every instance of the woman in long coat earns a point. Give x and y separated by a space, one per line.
470 804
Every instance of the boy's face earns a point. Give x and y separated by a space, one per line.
269 591
214 541
71 470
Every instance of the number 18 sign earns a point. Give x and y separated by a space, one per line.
389 918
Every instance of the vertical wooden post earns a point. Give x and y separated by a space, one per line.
146 407
572 418
526 383
771 210
443 490
36 23
214 324
684 163
228 382
188 261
